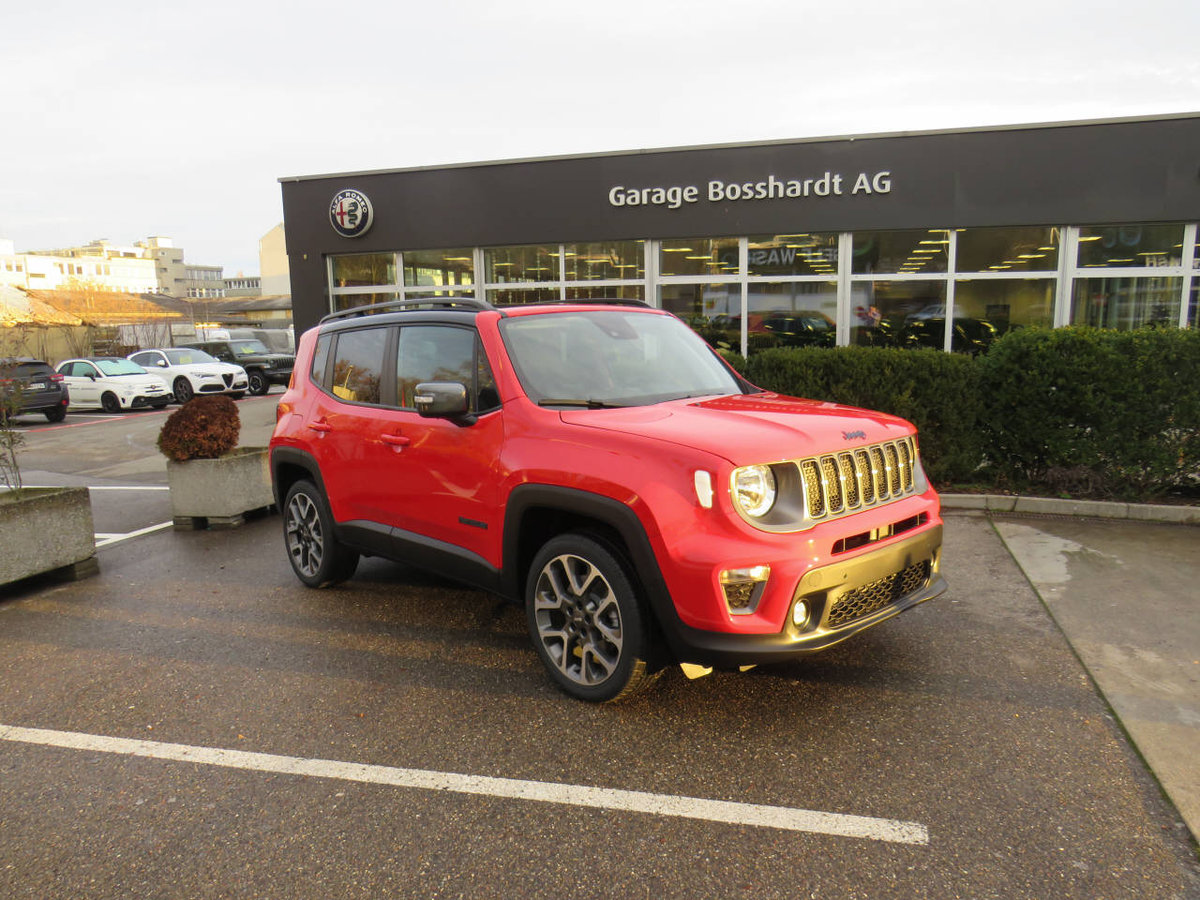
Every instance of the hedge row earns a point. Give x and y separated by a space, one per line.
1079 411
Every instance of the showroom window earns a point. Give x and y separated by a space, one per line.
439 268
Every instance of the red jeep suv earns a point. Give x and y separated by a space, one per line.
601 465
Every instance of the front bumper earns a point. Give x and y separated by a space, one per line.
843 598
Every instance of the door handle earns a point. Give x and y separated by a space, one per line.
396 440
323 427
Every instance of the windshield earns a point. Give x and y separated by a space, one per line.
248 348
186 357
612 357
119 367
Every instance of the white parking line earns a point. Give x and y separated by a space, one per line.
780 817
105 540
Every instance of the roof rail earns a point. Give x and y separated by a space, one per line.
588 301
410 303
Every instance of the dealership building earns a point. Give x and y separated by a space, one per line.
939 239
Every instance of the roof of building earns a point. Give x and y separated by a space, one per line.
17 307
106 307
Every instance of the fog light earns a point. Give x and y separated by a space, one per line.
743 588
800 614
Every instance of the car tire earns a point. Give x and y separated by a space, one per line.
258 383
55 414
587 621
183 390
109 402
317 557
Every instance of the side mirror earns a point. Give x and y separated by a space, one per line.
443 400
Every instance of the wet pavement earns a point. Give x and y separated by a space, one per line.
192 722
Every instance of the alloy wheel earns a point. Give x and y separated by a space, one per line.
578 620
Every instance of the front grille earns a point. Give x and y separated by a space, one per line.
227 377
870 598
852 480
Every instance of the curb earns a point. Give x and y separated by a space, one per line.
1049 506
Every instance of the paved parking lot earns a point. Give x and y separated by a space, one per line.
194 723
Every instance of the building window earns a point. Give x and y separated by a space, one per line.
439 268
522 265
1007 249
604 261
1135 245
898 313
901 252
1126 303
364 270
793 254
703 257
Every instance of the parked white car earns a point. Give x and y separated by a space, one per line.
112 384
190 371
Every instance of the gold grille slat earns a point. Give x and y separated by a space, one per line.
862 461
893 462
812 488
832 485
849 479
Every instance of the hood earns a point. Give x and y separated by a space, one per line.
750 428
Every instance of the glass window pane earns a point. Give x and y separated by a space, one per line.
1130 245
793 254
881 310
507 265
438 268
1004 304
699 256
433 353
353 301
320 359
697 304
617 292
900 252
518 297
790 314
1126 303
1195 304
364 270
358 365
606 260
1032 249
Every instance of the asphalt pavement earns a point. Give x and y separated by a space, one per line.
191 722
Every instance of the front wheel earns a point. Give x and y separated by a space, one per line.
109 402
317 557
258 383
585 620
183 390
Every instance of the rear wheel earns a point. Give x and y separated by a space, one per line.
110 403
317 557
55 414
586 621
183 390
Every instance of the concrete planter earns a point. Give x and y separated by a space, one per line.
217 493
46 530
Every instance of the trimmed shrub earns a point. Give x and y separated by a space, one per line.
203 428
938 392
1094 412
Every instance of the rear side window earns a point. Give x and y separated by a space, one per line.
358 365
321 360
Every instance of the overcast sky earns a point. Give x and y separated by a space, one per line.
121 120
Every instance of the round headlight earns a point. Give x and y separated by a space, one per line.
754 490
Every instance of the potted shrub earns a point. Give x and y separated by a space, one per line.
213 482
42 530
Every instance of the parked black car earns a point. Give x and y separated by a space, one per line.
263 367
37 386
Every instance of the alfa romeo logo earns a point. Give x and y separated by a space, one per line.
350 213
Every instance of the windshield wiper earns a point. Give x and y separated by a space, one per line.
586 404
